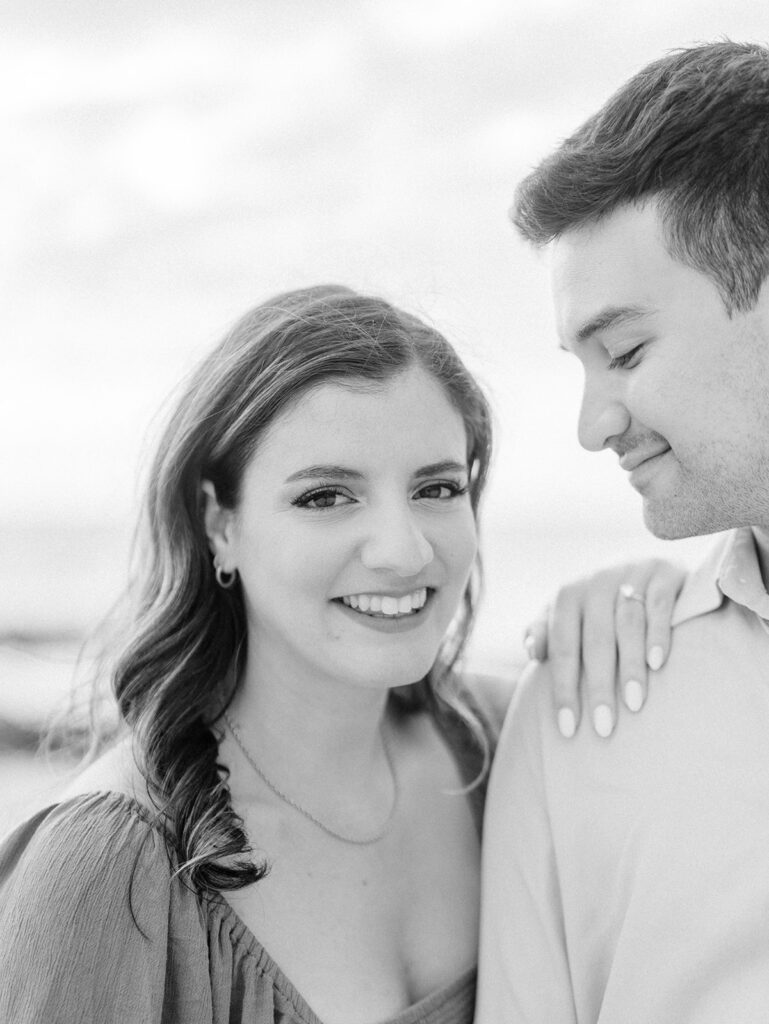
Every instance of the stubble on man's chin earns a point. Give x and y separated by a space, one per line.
676 519
666 526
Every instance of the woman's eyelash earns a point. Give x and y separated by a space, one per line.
618 362
456 489
304 500
330 493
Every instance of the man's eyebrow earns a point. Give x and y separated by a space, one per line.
344 473
614 316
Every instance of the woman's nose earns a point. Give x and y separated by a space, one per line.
396 543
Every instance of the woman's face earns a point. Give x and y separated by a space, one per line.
354 537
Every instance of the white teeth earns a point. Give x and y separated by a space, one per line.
379 604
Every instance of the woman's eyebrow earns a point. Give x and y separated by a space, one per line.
344 473
313 472
447 466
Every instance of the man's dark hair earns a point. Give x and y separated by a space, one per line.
689 131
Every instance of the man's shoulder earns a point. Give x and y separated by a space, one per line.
532 698
492 694
530 717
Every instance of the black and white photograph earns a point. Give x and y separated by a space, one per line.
384 531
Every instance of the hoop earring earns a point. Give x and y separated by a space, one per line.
225 579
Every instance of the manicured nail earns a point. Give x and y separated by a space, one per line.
634 695
603 720
655 657
530 644
567 723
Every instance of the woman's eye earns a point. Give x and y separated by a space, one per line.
322 497
441 489
626 360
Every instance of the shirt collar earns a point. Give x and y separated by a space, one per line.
730 570
740 578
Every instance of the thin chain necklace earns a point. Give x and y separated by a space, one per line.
355 840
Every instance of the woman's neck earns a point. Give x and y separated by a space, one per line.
326 745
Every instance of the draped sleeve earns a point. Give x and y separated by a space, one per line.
91 919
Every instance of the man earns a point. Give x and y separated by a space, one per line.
629 882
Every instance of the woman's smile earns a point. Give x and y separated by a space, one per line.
387 613
387 605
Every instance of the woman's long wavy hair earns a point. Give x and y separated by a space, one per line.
186 637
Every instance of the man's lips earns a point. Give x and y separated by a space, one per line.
633 459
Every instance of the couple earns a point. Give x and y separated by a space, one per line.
288 828
297 734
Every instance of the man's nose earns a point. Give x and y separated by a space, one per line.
603 414
396 543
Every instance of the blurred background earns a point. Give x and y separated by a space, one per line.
167 166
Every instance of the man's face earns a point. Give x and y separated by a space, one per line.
673 384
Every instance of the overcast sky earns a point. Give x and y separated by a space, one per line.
165 166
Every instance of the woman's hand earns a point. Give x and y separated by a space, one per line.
609 630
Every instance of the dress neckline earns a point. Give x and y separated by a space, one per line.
469 759
241 935
414 1013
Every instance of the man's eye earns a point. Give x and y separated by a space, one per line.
322 497
441 489
627 359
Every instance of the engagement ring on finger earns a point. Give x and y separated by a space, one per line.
627 591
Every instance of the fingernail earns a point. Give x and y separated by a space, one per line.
655 657
603 720
530 644
567 723
634 695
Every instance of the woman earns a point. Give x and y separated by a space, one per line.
301 778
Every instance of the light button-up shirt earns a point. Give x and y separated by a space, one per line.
627 881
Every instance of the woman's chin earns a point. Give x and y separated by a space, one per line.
394 673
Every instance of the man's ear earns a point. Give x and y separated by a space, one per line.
218 523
